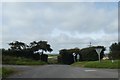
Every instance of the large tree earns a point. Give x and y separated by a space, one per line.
40 45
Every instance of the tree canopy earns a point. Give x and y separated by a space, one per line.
40 45
17 45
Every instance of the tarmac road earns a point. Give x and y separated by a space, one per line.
61 71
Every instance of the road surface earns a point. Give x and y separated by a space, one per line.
61 71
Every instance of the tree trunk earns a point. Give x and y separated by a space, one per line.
42 52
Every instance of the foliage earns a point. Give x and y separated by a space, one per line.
85 54
66 55
18 45
20 49
40 45
115 51
89 54
96 64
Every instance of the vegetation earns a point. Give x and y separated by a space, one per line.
7 71
19 51
115 51
65 57
96 64
20 61
85 54
89 54
31 51
40 45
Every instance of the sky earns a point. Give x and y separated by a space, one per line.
64 25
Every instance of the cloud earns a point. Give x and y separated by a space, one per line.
60 0
62 24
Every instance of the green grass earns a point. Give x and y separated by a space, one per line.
96 64
7 71
20 61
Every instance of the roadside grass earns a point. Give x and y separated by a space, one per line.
96 64
20 61
7 71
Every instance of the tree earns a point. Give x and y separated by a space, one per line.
43 46
115 51
40 45
18 45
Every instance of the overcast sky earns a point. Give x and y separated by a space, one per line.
62 24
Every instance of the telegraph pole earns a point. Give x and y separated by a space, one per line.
90 44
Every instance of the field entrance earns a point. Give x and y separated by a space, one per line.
52 58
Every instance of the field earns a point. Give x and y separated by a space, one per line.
52 55
96 64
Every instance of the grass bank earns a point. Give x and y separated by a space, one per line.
96 64
20 61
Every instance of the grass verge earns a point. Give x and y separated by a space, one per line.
20 61
96 64
7 71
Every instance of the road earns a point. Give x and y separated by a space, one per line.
62 71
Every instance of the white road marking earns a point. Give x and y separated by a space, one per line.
89 70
